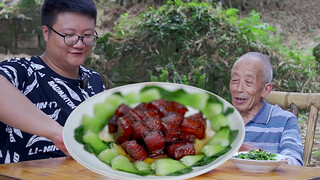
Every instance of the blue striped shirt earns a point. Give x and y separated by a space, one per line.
276 130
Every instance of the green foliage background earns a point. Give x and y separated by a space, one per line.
196 43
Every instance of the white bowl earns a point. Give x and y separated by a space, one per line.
250 165
93 163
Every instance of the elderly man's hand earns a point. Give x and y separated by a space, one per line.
247 147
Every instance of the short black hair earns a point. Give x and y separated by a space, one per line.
51 9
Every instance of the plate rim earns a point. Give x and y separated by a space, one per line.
120 174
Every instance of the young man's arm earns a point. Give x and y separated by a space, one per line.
18 111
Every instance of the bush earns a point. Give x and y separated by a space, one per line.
196 43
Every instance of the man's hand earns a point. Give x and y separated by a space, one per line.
60 145
247 147
58 141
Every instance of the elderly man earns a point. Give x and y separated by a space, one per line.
267 126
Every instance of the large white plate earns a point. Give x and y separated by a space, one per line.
91 162
250 165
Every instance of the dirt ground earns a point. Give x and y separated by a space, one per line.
298 21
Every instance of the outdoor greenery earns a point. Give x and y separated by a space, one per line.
197 43
25 9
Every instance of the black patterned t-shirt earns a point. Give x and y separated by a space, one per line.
53 94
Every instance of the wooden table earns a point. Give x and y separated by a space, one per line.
68 168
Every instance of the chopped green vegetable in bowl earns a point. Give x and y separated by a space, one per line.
257 154
258 161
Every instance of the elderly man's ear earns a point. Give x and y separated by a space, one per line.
267 89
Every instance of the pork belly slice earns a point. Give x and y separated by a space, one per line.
125 130
140 130
122 110
113 121
140 109
135 150
187 137
171 131
180 108
173 117
113 124
163 106
155 143
180 149
195 125
153 124
150 113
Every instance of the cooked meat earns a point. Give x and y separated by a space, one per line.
135 150
180 108
147 129
170 131
125 130
155 143
113 124
140 130
174 118
163 106
180 149
195 124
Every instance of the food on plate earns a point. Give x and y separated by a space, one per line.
156 131
257 154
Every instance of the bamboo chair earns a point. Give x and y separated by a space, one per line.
300 101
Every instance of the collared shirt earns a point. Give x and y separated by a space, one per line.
276 130
53 94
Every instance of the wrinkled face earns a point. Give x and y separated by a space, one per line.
65 56
246 85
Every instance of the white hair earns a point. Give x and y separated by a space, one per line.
267 68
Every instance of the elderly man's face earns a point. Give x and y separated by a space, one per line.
246 85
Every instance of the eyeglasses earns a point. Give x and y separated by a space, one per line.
72 39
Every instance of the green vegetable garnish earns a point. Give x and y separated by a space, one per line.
257 154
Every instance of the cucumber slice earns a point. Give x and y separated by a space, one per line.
103 112
123 163
132 98
221 137
107 155
219 121
115 100
191 160
92 124
93 140
196 100
212 109
143 166
211 150
166 166
150 95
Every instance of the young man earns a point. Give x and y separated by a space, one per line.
37 94
267 126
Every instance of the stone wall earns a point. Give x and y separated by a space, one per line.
19 36
22 33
